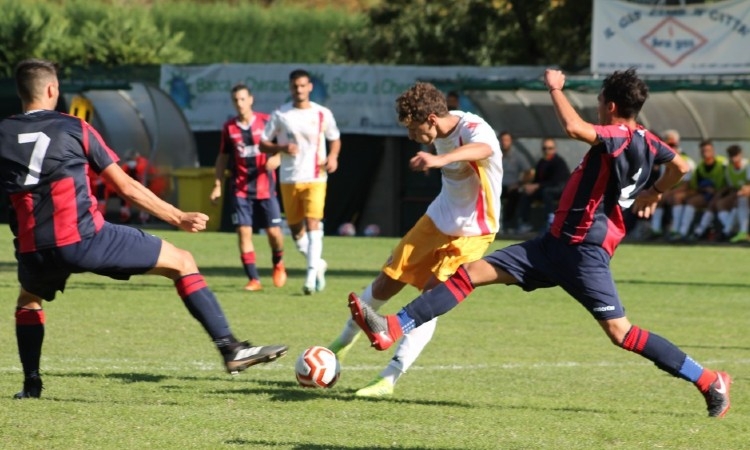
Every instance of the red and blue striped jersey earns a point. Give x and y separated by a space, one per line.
250 178
44 162
609 177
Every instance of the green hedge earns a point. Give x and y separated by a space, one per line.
251 33
110 34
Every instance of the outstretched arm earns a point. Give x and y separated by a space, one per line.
572 123
133 191
470 152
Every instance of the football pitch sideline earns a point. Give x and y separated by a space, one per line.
126 366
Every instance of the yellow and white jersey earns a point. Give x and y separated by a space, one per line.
469 201
309 128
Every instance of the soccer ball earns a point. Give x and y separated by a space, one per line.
347 229
317 367
372 230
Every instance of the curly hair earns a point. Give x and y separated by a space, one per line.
418 102
625 90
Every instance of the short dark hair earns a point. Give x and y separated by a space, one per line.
240 87
734 150
625 90
418 102
299 73
705 142
503 133
31 77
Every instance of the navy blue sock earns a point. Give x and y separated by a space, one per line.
436 301
667 356
30 336
202 304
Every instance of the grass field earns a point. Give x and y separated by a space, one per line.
125 366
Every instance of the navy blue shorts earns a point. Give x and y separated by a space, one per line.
581 270
258 213
116 251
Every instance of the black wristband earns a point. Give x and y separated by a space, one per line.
656 189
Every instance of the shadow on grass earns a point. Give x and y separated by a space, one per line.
265 272
290 391
310 446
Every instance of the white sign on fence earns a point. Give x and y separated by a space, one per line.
710 38
361 97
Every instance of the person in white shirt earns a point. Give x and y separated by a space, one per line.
459 224
299 131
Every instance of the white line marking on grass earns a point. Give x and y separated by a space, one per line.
128 365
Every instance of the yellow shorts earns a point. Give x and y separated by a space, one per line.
425 251
303 200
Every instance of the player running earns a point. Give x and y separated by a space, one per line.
587 227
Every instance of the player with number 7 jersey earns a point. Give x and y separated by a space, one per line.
45 157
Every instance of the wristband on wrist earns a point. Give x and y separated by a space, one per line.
656 189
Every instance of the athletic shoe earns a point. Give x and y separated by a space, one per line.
308 290
32 388
340 349
245 355
381 331
379 387
279 274
320 276
739 237
717 396
253 285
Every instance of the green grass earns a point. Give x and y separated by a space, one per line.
125 366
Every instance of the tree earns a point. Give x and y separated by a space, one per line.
471 32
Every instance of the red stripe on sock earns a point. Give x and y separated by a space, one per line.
30 316
705 380
248 258
460 284
635 340
189 284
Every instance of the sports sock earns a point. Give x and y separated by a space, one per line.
30 336
248 262
203 306
688 214
315 250
277 256
436 301
726 219
302 244
409 348
706 220
743 213
677 211
667 356
656 220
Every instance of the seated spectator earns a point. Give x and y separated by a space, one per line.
674 198
707 181
550 175
516 172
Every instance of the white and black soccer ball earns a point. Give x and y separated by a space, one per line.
317 367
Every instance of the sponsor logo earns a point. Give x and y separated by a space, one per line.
604 308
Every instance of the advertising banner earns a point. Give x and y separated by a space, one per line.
698 39
361 97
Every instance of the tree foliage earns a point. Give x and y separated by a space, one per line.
470 32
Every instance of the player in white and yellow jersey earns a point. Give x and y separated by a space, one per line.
458 226
300 130
736 207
